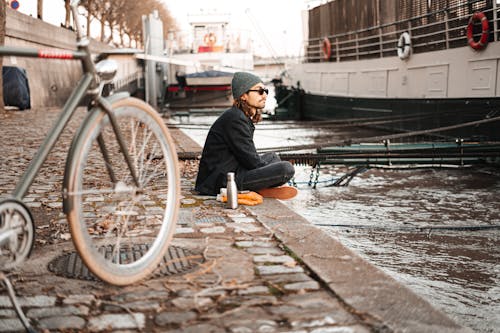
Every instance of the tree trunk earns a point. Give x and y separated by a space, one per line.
104 18
2 42
112 34
67 22
89 16
39 9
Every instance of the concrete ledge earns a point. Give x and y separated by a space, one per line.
376 297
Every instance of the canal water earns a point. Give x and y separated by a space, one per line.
435 230
429 229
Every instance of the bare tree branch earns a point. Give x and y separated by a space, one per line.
121 20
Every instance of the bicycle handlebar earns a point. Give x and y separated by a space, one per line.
37 53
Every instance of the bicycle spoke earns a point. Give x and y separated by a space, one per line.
122 216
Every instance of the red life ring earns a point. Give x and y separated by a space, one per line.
327 48
483 41
209 39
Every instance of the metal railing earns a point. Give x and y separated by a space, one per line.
443 29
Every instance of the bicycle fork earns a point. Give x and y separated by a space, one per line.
106 107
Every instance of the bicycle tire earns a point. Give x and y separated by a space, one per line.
121 231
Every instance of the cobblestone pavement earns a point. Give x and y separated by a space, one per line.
243 280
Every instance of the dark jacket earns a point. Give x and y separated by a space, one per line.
229 147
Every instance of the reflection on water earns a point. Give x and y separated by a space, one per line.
457 273
428 228
424 228
419 197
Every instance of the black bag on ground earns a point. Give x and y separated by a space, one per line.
16 90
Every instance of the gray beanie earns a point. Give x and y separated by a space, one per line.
242 81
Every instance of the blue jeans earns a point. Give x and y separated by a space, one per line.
275 173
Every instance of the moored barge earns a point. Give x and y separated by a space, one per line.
418 64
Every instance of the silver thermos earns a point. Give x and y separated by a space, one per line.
232 191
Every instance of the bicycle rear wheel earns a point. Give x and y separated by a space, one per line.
121 230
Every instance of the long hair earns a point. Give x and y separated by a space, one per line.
247 110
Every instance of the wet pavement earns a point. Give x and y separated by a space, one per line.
256 269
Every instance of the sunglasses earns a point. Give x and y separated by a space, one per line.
261 91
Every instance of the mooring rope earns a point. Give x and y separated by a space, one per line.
325 124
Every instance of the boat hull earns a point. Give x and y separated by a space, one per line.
401 114
188 97
454 86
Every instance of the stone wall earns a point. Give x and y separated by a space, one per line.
50 80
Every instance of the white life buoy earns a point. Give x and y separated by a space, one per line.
404 46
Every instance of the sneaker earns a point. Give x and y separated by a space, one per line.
281 192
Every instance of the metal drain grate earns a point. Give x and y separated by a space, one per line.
177 260
211 219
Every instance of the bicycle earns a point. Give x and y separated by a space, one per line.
121 187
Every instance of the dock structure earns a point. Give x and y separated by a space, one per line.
424 154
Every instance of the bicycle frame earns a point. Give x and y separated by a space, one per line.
41 155
88 84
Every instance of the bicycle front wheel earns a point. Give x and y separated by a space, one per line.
121 227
